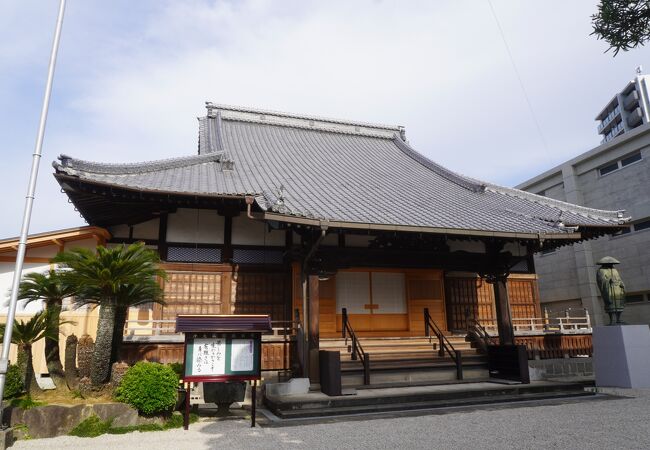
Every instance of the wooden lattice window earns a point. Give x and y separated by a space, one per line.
191 293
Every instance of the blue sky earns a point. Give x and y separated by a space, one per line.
133 76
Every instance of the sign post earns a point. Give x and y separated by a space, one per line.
222 348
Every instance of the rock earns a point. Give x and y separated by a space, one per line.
291 387
56 420
123 415
6 438
148 420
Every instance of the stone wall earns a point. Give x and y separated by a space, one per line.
56 420
549 369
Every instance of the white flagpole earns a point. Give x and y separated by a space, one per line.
29 201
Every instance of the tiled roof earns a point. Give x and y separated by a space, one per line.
339 171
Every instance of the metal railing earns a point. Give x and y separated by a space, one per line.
355 348
443 343
479 334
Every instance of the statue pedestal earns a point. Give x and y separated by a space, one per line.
622 356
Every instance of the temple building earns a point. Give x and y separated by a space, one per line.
340 222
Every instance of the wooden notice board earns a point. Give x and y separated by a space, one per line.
222 357
222 348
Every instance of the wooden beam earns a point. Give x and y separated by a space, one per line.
53 238
314 325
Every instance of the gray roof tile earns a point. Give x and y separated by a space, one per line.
338 171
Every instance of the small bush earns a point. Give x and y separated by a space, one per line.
93 426
149 387
13 382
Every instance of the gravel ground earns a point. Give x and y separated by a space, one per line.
595 424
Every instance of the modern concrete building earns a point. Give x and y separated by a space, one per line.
616 173
628 109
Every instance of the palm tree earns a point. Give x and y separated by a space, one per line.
51 288
43 324
103 277
132 295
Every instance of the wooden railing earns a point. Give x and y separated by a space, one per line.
278 346
150 327
557 346
443 343
355 349
530 326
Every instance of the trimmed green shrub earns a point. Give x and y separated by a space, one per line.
149 387
177 368
93 426
13 382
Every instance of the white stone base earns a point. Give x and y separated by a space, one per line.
622 356
291 387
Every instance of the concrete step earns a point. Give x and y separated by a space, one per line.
413 398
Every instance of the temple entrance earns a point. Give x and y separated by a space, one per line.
375 300
381 302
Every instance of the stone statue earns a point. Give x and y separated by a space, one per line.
611 288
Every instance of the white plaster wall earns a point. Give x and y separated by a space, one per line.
357 240
466 246
6 279
119 231
515 248
331 239
89 244
247 231
146 230
196 226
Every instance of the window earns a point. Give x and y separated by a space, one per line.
623 162
634 298
623 231
630 159
644 225
609 168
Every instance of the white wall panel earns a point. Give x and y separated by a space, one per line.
247 231
195 225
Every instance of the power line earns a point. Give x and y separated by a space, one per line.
519 79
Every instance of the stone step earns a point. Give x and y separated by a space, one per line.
428 375
424 405
413 398
407 359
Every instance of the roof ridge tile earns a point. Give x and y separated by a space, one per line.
69 163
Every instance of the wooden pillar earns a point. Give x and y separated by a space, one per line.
226 293
226 255
162 236
313 327
502 304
